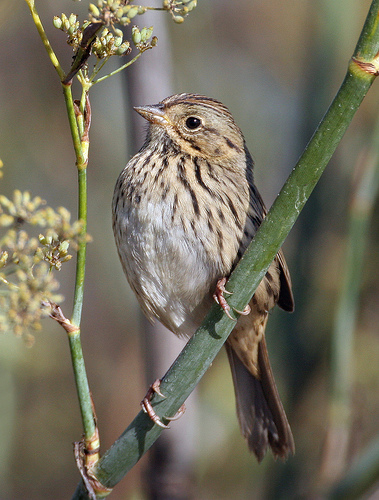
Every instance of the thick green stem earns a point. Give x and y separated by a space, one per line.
201 349
299 185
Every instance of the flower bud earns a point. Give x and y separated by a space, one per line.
136 35
6 220
63 247
191 5
94 10
57 22
72 19
146 33
71 30
178 19
65 22
132 12
118 37
124 21
3 259
122 49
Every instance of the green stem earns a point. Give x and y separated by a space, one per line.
81 380
82 387
202 348
81 257
119 69
42 34
81 152
81 158
98 67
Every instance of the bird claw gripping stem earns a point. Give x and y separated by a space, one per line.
220 299
149 410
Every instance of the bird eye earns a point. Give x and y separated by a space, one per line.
193 122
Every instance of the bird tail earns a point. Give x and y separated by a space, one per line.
260 412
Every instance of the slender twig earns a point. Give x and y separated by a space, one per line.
201 349
98 67
81 159
80 140
45 40
91 437
80 143
121 68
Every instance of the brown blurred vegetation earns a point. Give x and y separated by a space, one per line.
276 65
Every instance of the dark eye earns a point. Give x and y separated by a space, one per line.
193 122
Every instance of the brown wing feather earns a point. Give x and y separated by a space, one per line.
286 300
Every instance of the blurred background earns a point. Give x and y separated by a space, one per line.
276 65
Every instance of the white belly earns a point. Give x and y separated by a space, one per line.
167 267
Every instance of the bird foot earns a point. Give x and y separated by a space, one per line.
220 299
147 407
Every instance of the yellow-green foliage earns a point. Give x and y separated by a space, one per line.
34 241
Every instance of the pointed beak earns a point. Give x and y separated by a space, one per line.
153 113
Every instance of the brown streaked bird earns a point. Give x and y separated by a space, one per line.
185 208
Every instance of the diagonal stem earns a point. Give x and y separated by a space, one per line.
202 348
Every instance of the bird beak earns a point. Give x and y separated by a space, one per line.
154 114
